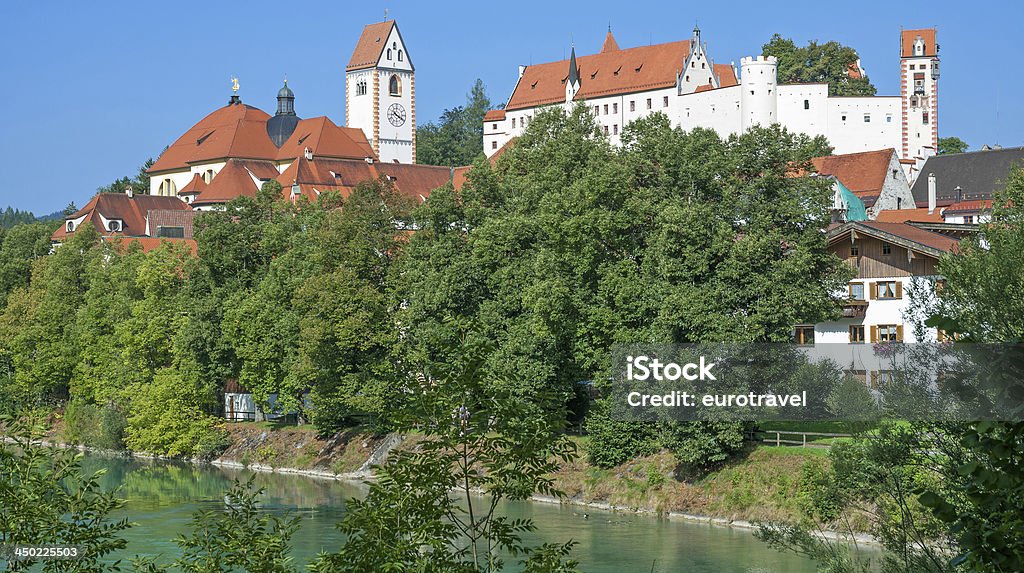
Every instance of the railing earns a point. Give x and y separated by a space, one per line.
854 308
774 437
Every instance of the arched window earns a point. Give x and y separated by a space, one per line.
399 55
167 187
389 53
395 86
208 176
361 88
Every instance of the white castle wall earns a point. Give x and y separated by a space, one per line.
759 97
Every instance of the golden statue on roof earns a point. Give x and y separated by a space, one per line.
234 84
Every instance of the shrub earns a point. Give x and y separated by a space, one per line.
167 418
613 442
700 446
819 495
94 426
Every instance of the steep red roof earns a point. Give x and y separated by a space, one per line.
194 187
618 71
131 211
321 136
370 45
862 173
234 180
726 75
908 37
237 130
609 45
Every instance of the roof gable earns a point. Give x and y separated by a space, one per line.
908 37
862 173
978 174
131 211
902 234
370 45
322 137
233 181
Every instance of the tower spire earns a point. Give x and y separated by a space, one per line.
574 71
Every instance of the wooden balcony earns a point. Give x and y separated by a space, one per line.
854 308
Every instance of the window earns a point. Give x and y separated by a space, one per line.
167 187
687 78
886 249
494 126
70 227
494 145
803 334
854 250
924 117
606 109
389 53
888 118
170 232
399 55
664 102
702 66
648 103
856 291
395 86
807 104
844 117
856 334
615 108
867 118
912 66
632 105
597 110
968 219
887 333
615 129
522 122
881 378
887 290
606 130
361 88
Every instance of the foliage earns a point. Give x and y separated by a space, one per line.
829 63
95 426
167 417
952 144
20 247
478 440
457 137
46 500
11 217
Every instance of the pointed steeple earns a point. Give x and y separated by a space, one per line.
574 71
610 45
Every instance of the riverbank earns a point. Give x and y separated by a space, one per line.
762 484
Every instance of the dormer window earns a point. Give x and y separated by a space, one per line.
115 226
919 47
208 176
70 227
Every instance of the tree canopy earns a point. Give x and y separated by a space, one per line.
829 63
457 137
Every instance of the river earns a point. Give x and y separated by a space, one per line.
161 497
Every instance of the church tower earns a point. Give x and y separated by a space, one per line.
919 92
380 92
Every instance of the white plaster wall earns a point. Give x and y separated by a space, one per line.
714 109
849 133
895 190
792 113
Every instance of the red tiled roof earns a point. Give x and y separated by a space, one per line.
969 206
494 115
324 138
131 211
324 174
726 75
370 45
609 45
914 234
261 169
853 72
905 215
171 218
459 177
232 131
233 181
862 173
194 187
150 243
704 88
908 37
619 71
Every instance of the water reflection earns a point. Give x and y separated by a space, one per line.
162 496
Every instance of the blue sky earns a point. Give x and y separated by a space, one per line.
94 88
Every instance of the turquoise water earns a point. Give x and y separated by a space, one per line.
163 495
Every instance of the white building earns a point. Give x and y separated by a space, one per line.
681 80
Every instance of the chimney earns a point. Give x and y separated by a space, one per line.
959 194
931 193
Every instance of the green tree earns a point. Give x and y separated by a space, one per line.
830 63
139 183
949 145
457 137
47 500
21 246
11 217
477 441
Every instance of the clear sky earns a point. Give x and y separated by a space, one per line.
95 88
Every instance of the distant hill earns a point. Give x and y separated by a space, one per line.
10 217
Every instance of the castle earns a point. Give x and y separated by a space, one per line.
681 80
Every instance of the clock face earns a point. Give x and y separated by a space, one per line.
396 114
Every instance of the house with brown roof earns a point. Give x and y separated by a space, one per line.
129 217
681 80
875 180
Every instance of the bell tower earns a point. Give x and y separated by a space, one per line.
380 92
919 92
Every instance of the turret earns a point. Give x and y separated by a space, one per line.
759 95
572 85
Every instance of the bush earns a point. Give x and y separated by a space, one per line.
94 426
613 442
167 418
819 495
701 446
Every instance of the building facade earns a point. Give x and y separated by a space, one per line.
681 80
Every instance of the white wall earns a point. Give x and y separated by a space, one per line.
848 132
803 108
895 190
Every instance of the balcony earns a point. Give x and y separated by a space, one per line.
854 308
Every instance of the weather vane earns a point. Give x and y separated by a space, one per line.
234 84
